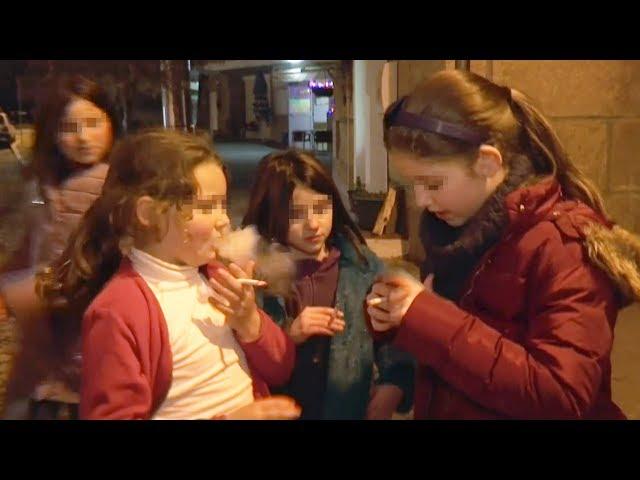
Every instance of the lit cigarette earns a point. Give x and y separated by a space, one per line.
376 301
252 282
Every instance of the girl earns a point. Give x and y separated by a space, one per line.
295 202
75 130
524 273
155 345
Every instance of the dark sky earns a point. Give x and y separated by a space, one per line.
9 69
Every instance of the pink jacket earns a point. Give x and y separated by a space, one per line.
66 205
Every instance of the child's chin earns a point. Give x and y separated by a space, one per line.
207 253
204 259
455 222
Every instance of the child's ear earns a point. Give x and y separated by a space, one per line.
145 211
489 161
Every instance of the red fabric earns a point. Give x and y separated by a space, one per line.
532 336
127 362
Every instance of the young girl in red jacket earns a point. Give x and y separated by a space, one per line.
524 273
140 270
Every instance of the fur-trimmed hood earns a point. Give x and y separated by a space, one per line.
617 252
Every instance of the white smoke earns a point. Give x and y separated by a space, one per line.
274 263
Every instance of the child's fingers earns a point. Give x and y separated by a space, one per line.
336 321
250 268
397 295
330 323
238 272
337 327
277 401
252 283
270 408
224 291
319 330
222 308
380 303
380 289
326 316
317 323
324 310
326 319
387 302
286 412
372 297
397 279
276 408
219 298
282 414
244 277
230 281
245 274
373 301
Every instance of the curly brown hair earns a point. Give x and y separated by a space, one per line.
158 163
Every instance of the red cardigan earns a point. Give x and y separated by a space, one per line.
127 360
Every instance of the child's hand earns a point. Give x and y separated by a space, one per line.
384 401
396 292
236 301
316 321
270 408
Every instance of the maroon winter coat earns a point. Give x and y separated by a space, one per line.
531 337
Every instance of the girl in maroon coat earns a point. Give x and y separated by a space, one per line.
524 273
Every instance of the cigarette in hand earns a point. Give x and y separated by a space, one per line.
376 301
252 282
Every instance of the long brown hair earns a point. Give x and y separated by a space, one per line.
506 116
276 176
49 163
158 163
508 120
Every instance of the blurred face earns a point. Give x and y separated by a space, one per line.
447 188
192 241
85 133
310 221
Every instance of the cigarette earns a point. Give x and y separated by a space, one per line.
376 301
252 282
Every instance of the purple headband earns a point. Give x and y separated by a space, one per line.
401 118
